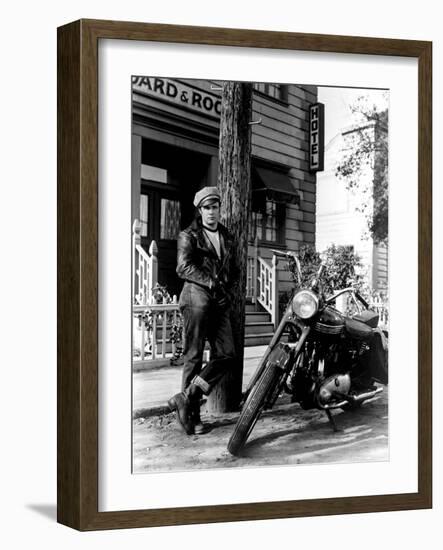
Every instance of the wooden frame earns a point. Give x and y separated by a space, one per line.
78 281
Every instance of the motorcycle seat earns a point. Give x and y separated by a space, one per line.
368 317
358 330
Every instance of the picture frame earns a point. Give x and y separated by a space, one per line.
78 281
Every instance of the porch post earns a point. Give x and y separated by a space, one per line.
153 269
274 292
255 271
136 226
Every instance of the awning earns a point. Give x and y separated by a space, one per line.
277 186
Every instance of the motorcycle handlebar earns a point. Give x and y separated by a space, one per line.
281 253
293 255
320 270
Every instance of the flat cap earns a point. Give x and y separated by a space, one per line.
205 194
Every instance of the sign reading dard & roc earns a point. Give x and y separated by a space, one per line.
316 137
173 91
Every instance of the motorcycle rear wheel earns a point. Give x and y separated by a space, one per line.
253 407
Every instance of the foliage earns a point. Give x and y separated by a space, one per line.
343 267
161 295
366 147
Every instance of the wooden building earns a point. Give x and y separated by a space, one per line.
175 134
339 216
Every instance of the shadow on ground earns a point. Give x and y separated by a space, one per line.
285 435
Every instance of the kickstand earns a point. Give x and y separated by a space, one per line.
331 420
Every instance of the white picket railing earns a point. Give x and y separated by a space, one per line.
251 279
251 274
381 307
150 339
144 267
376 303
267 287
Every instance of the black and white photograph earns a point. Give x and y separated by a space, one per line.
228 301
260 289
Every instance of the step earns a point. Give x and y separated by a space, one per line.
257 317
259 328
261 339
252 308
258 339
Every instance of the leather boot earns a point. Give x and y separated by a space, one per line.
194 393
181 404
199 427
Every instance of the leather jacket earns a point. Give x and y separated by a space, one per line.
198 262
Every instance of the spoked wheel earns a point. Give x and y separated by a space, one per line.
253 407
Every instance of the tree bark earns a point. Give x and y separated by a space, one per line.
234 183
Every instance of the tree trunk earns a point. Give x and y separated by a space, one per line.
234 183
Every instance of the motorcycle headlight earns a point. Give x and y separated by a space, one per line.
305 304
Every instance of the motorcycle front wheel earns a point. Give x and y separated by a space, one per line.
253 407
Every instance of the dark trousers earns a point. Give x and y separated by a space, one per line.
205 318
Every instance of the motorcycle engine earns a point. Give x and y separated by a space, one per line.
333 389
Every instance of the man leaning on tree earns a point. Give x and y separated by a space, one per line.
205 260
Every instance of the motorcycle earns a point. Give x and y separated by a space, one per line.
333 360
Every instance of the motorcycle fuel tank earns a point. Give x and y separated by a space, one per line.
330 322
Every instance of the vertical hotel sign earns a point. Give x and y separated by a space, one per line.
316 137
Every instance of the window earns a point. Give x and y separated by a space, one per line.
153 173
276 91
144 213
169 219
267 221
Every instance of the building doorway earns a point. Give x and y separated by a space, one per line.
170 176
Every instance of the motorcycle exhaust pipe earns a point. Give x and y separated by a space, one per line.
351 399
363 396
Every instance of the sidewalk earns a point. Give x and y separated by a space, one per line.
151 388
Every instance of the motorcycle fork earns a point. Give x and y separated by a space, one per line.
287 318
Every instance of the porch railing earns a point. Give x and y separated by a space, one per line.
144 267
267 287
152 321
381 307
151 331
251 274
376 303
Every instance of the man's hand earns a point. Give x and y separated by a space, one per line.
220 293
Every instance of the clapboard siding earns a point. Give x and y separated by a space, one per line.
293 234
287 117
308 186
309 89
271 146
293 213
307 226
281 139
309 197
287 125
307 95
270 154
309 217
308 177
290 109
308 206
287 133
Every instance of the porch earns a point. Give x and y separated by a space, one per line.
156 313
156 317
